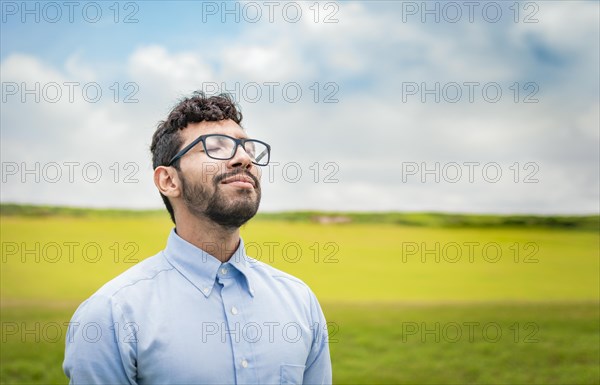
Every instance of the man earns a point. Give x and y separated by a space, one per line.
201 311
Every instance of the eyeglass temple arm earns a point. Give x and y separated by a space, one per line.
184 150
262 155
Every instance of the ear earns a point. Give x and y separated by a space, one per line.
167 181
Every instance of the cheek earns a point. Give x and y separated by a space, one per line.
208 171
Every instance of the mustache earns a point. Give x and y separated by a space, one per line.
221 177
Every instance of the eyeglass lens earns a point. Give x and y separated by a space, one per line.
223 147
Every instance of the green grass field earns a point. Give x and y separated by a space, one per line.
443 302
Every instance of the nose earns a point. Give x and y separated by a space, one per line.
240 159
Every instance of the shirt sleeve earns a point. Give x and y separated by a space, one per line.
99 349
318 364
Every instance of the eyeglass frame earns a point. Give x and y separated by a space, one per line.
238 142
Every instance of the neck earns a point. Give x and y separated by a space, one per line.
213 238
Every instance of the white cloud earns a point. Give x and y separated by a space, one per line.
562 25
163 71
75 68
368 134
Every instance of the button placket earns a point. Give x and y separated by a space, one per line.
233 305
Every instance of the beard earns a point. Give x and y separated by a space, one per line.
228 212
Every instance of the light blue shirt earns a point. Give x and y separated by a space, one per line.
183 317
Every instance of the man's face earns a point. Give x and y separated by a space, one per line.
225 191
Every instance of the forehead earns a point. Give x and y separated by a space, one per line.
227 127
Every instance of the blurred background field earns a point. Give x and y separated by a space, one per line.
411 298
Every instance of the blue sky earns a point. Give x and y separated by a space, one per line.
397 111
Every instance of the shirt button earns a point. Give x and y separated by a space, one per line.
205 290
244 363
234 310
251 291
224 270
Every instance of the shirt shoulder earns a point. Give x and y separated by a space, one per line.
148 269
265 270
290 289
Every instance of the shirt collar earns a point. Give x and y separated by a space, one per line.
242 263
200 267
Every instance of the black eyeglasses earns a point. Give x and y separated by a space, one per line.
223 147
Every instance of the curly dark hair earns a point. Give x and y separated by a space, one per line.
167 141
